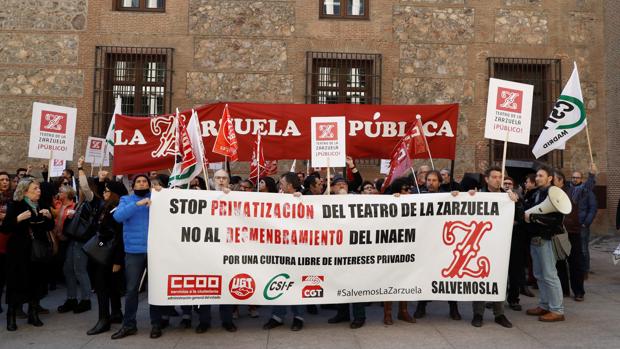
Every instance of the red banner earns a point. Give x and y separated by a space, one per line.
145 144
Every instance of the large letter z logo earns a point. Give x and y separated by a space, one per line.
467 249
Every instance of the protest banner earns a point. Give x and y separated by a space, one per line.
372 131
276 249
328 142
52 130
96 152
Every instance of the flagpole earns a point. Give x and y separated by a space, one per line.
589 144
105 149
51 162
504 157
257 159
419 117
415 179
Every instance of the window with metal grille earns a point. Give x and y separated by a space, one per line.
344 9
141 76
353 78
140 5
546 76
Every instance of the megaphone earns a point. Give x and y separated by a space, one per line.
556 201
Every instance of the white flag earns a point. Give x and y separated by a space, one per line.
293 165
567 118
109 137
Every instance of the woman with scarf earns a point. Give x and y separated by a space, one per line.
26 221
107 277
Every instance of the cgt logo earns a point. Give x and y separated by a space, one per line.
509 99
314 289
53 122
326 131
242 286
276 287
194 285
466 250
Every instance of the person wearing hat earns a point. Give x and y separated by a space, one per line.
106 277
339 185
133 213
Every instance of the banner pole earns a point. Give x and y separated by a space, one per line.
105 150
589 144
329 187
504 157
428 149
49 166
205 173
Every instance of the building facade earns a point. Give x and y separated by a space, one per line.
163 54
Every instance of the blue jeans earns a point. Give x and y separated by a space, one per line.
135 264
543 266
278 312
74 269
585 248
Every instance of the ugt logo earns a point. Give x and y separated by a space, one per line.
509 99
53 122
466 250
326 131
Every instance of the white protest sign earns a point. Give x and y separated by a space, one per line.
509 111
328 145
52 129
207 247
385 166
56 167
95 149
216 166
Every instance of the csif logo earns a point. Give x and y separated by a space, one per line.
242 286
313 287
276 287
466 251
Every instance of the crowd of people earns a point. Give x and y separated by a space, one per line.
47 228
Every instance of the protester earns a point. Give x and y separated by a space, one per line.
26 221
289 184
339 186
542 228
448 183
246 185
267 185
433 185
80 229
582 196
133 213
493 180
400 186
6 195
221 180
369 188
312 185
107 278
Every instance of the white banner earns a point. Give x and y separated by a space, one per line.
328 141
276 249
95 149
52 131
509 111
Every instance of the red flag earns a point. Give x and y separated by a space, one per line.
401 161
417 146
226 141
257 166
271 167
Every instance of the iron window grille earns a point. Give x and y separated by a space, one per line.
141 76
546 76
